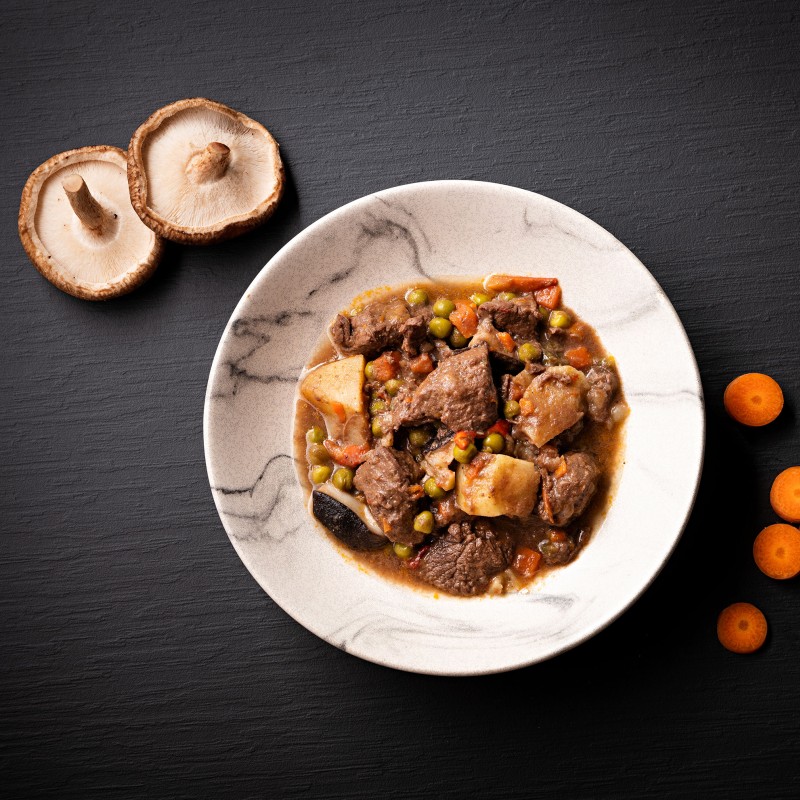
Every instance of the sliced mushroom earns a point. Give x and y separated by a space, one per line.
337 512
78 228
200 172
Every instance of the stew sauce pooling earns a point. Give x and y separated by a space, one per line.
461 435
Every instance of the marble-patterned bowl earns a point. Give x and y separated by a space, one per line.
447 228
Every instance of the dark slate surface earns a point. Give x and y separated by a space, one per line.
138 656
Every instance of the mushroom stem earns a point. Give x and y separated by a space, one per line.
86 208
209 164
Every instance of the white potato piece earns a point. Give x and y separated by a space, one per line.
336 390
493 485
554 401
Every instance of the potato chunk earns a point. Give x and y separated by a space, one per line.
493 485
554 401
336 389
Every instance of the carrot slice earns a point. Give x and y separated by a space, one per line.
753 399
339 410
506 340
526 561
465 319
741 628
387 366
549 297
422 364
579 357
785 494
517 283
348 456
776 551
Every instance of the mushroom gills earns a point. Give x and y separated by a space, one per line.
347 518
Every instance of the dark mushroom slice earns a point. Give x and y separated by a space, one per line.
343 522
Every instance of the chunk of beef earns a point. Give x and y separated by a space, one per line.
459 392
446 511
385 478
553 402
517 317
603 384
377 327
502 359
415 331
568 485
465 559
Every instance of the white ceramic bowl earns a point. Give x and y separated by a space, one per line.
436 229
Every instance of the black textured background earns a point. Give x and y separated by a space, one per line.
138 656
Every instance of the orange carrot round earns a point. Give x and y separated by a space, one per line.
741 628
776 551
785 494
753 399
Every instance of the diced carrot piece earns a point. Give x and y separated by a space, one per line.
463 439
387 366
561 469
348 456
517 283
741 628
339 410
526 561
502 426
506 340
579 357
753 399
549 297
776 551
465 319
785 495
422 364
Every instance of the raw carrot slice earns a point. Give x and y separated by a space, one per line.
785 494
741 628
517 283
753 399
776 551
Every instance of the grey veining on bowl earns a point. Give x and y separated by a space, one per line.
432 230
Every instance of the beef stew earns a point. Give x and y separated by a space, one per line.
460 435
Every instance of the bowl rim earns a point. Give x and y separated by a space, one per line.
297 241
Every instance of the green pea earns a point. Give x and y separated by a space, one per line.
315 435
444 307
479 298
376 406
609 361
320 474
419 436
506 296
377 428
440 327
457 339
317 454
529 351
494 443
559 319
433 490
511 409
343 479
403 551
416 297
544 313
392 386
465 456
423 522
369 371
